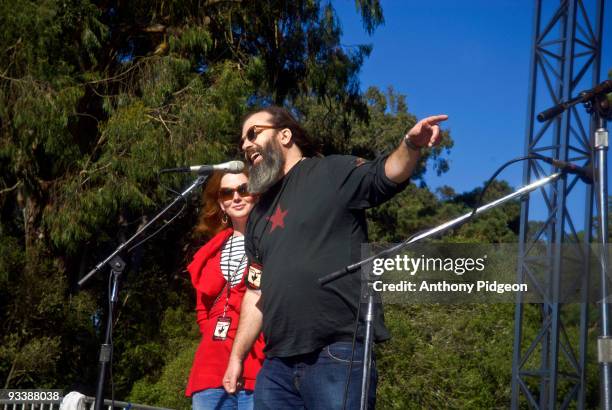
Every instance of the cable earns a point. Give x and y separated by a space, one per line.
350 366
161 227
110 347
478 202
495 174
167 222
113 280
167 188
407 242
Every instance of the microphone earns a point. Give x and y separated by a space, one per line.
232 167
584 173
599 90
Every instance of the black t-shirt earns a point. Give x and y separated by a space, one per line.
309 224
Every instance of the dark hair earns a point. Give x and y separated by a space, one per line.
282 118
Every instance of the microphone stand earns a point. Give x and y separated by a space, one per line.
599 106
370 310
604 342
117 265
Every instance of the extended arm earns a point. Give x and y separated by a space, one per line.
249 328
401 163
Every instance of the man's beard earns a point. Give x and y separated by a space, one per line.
269 170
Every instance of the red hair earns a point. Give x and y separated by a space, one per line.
210 220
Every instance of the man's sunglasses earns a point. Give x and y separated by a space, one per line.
253 131
225 194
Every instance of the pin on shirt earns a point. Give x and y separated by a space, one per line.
254 277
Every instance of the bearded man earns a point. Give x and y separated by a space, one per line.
310 221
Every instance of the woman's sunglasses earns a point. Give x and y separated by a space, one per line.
225 194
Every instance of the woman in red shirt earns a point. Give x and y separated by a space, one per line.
217 273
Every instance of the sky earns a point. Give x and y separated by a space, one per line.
470 60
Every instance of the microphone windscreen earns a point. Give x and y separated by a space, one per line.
236 167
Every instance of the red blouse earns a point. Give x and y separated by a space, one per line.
212 356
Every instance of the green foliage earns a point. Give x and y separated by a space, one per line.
446 356
416 209
169 389
96 96
11 261
368 130
166 388
194 42
372 14
460 356
46 332
50 39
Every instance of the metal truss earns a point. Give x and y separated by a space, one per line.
548 366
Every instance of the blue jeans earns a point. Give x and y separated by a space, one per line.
219 399
314 380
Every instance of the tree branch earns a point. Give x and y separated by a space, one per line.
5 190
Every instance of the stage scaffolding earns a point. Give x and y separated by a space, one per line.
548 370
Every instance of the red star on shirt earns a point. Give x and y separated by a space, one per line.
278 219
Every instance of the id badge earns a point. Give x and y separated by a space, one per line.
222 328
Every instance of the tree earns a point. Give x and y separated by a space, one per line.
93 98
96 96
